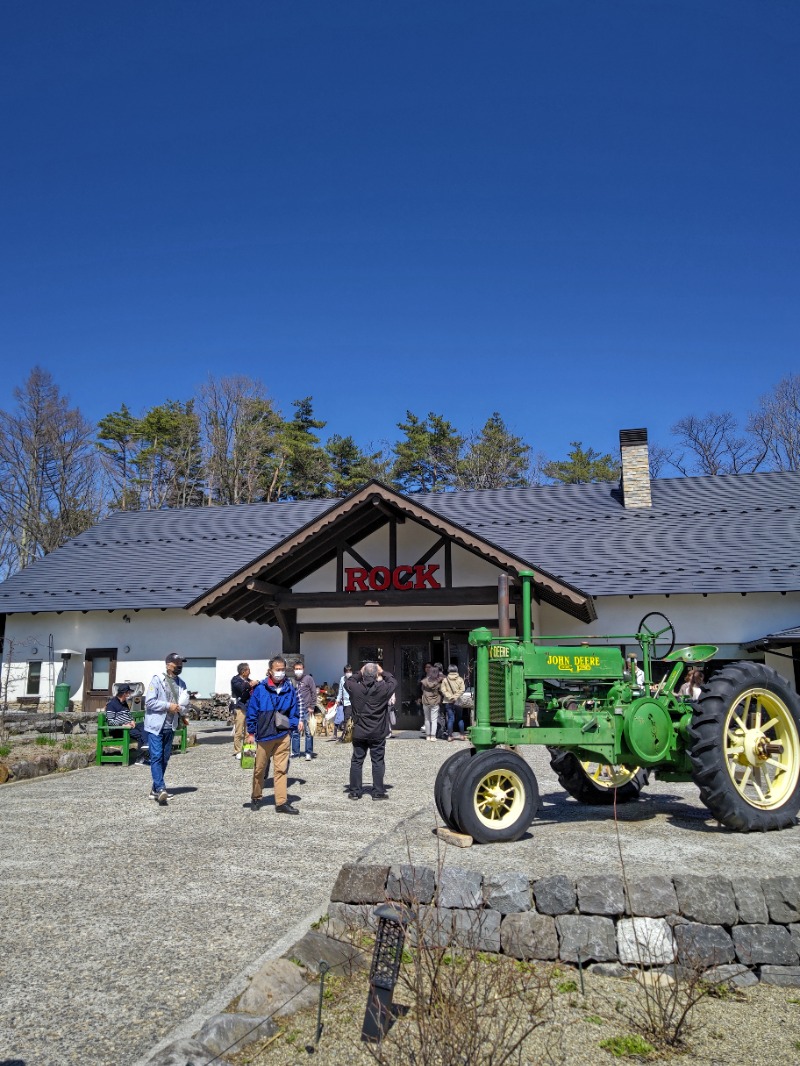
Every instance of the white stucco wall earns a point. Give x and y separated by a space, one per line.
325 654
141 644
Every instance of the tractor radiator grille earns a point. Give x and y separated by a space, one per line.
497 693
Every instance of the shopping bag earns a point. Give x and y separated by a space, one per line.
248 760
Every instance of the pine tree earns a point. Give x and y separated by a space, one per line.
495 458
302 472
350 467
427 460
582 466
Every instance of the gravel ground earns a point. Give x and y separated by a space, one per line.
122 919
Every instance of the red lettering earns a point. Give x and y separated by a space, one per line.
397 578
356 579
380 578
424 575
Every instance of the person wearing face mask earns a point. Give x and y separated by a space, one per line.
307 698
272 696
165 704
342 706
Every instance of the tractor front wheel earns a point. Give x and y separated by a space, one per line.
495 797
597 784
745 748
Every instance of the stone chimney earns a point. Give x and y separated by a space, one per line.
635 460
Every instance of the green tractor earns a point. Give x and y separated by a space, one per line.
607 727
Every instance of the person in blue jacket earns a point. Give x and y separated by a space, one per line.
272 696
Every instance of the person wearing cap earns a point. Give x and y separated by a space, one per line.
452 688
165 704
118 715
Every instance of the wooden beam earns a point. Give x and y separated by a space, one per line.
452 597
358 558
388 511
454 626
392 545
429 554
255 584
287 621
448 563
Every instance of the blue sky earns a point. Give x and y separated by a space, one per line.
580 213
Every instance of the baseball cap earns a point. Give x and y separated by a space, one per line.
174 657
121 689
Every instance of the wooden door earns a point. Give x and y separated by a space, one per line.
99 675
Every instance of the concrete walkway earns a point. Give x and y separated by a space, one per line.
121 919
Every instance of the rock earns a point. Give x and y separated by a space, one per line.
702 946
434 926
529 936
709 900
349 917
757 945
38 766
507 893
794 933
181 1053
601 894
588 936
608 969
342 958
75 760
645 942
555 895
411 884
450 836
654 978
229 1033
5 773
360 884
750 902
459 888
477 929
735 975
278 988
651 897
782 895
786 976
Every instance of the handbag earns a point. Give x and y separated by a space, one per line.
338 717
281 721
465 700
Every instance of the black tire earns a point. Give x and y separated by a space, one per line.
745 786
443 787
573 778
517 797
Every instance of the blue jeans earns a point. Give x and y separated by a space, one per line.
452 710
160 745
296 741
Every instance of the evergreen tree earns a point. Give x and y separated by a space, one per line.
169 464
302 465
582 466
119 437
350 468
427 459
495 458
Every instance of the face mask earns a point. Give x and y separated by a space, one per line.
298 673
178 668
349 673
278 675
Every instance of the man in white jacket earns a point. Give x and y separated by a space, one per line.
165 704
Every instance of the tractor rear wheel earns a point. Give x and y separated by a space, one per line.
443 787
745 748
495 796
596 783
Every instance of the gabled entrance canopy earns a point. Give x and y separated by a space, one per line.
262 590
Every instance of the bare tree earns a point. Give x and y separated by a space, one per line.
715 446
241 440
49 470
776 424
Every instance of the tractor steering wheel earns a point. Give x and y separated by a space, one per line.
651 630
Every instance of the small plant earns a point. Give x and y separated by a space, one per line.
320 922
628 1046
567 986
5 749
68 745
45 742
594 1019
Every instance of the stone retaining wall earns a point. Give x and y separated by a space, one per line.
744 928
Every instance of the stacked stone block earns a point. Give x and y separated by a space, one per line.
737 928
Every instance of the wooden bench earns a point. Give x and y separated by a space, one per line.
118 740
28 701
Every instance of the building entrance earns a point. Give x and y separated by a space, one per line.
405 655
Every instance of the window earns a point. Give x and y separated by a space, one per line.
200 676
34 679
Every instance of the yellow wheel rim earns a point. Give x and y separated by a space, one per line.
762 749
609 776
499 798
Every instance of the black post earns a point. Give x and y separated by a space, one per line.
386 959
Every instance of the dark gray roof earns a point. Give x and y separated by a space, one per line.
736 533
782 639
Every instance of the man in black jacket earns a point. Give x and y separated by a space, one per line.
241 687
370 691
